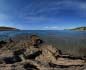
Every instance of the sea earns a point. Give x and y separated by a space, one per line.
70 42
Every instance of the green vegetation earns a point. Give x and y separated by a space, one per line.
79 29
7 28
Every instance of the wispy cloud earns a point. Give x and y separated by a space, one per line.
53 28
43 12
55 7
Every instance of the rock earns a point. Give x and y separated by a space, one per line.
2 43
19 54
6 57
69 62
49 54
35 40
31 52
36 55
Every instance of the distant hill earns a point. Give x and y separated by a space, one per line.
79 29
7 28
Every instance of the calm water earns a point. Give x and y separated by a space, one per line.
71 42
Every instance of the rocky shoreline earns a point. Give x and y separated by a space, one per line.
35 54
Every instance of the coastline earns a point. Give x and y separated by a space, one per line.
29 53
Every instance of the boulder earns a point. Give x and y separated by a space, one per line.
35 40
49 54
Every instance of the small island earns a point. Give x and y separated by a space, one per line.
2 28
78 29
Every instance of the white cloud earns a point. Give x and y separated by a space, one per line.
51 27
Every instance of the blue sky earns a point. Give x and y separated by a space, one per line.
43 14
